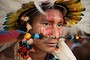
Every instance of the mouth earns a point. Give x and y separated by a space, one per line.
52 44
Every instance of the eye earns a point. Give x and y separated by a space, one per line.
47 24
60 24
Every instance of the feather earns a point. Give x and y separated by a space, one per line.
8 36
84 24
7 6
77 14
74 7
3 47
1 22
64 52
69 2
37 4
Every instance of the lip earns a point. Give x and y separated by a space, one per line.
51 44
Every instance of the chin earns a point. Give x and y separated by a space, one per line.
51 49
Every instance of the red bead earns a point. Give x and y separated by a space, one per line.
23 49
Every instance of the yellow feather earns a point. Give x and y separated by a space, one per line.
76 13
70 2
12 24
58 1
76 7
78 18
72 22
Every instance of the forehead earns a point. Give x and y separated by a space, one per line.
51 14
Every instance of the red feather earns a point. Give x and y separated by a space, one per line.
8 36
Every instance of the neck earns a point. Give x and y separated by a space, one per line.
38 54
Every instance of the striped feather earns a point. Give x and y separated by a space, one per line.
76 14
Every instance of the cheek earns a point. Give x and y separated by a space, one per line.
46 31
60 30
36 29
41 45
49 31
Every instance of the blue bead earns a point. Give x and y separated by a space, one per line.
27 46
72 37
30 47
21 31
24 43
53 58
36 35
57 46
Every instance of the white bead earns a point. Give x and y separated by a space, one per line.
30 41
24 40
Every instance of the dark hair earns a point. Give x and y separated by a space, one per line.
33 12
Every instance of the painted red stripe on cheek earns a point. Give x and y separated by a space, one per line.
49 31
46 31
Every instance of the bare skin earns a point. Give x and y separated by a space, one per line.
49 25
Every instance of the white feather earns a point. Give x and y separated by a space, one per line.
84 24
6 46
2 19
37 4
64 52
86 14
86 2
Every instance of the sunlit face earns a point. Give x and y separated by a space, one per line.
49 25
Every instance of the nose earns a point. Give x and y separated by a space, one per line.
55 32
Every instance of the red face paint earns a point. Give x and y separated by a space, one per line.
50 23
50 15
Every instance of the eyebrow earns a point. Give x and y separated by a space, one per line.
46 20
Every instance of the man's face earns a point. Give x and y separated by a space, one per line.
49 25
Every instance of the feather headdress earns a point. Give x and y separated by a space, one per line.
72 11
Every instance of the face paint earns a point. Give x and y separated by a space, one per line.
50 15
42 30
52 18
58 19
